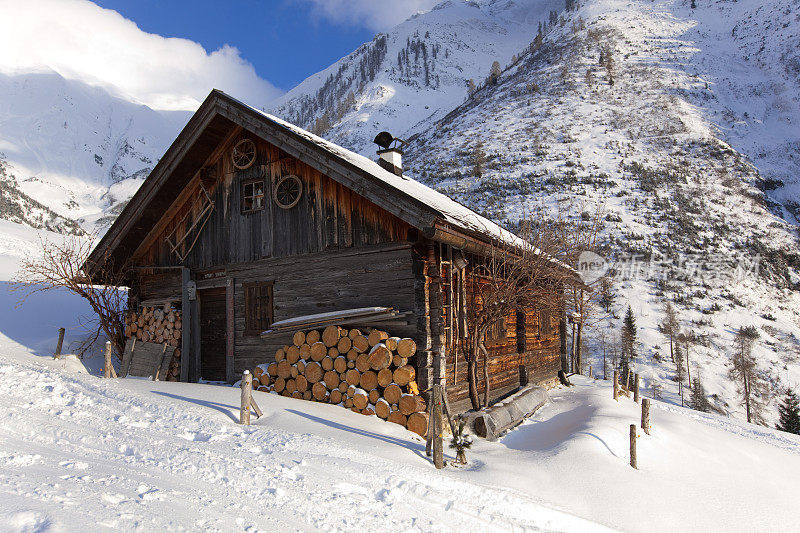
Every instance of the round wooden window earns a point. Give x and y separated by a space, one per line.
287 191
244 154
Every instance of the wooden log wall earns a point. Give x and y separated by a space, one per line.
328 216
541 357
379 275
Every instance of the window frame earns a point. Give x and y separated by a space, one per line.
243 196
254 326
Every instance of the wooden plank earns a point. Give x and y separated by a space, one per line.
186 333
147 359
127 357
194 374
230 332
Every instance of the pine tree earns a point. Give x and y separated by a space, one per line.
461 442
606 291
744 372
471 88
629 335
494 74
698 399
670 327
479 160
680 371
789 413
624 368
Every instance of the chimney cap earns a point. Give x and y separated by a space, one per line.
385 139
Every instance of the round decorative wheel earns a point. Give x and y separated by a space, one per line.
244 154
287 191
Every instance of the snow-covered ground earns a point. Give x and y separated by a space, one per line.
83 453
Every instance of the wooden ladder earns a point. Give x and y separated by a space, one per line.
203 206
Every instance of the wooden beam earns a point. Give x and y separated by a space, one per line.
230 330
186 334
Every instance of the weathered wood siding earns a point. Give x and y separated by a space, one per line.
329 216
541 357
378 275
158 284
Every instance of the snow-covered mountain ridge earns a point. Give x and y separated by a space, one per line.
414 74
75 148
682 124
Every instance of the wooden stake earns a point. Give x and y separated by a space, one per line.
109 368
646 415
633 446
438 450
636 388
247 398
60 343
590 370
628 382
254 405
616 385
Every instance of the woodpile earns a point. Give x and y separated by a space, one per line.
159 325
368 373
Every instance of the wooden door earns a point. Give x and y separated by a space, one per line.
212 334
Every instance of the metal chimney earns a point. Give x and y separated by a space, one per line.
390 156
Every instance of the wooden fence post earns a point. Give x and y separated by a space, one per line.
590 370
628 382
633 446
108 371
616 385
247 391
646 415
60 343
636 388
438 447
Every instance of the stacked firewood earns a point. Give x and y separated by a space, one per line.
158 325
368 373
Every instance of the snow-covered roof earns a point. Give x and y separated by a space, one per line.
451 211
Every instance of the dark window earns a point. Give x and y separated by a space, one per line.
545 325
257 307
521 332
252 196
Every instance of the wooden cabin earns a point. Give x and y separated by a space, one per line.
247 220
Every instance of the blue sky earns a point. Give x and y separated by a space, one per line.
285 40
168 54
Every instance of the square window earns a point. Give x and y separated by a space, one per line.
252 196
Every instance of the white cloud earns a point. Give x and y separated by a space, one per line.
377 15
83 41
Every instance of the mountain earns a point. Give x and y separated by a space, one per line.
681 125
78 150
408 78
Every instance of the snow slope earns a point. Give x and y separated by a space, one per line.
688 153
76 148
81 452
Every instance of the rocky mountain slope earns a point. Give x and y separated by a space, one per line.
680 124
406 79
